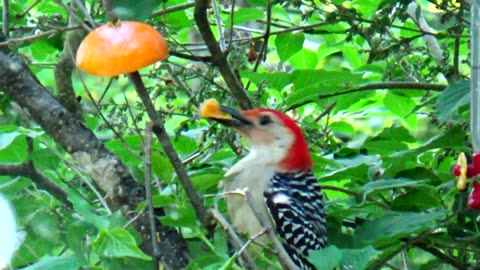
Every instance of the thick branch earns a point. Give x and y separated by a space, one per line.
219 58
28 170
108 172
65 67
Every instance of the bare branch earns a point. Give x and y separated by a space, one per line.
246 259
28 170
164 140
218 58
108 172
148 190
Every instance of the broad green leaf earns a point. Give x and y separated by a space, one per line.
63 262
288 44
180 217
162 167
402 106
358 259
400 134
384 147
77 234
418 199
342 127
456 95
134 10
277 80
388 184
161 200
10 133
84 209
245 15
304 59
351 168
325 259
395 225
351 54
117 243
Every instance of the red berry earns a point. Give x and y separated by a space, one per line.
457 169
474 196
471 170
476 161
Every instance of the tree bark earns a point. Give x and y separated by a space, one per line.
108 172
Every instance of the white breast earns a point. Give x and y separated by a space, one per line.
253 173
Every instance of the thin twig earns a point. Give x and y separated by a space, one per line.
218 22
6 19
327 111
148 192
86 14
164 140
179 82
246 259
79 172
22 40
233 83
173 9
29 170
88 28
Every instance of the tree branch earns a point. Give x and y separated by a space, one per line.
28 170
219 58
108 172
164 140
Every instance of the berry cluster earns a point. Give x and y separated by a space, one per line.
463 170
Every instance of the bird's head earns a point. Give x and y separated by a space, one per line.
271 132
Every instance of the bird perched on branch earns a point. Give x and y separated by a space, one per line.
277 171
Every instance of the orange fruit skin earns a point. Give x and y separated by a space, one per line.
210 108
111 50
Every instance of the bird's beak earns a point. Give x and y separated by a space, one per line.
237 119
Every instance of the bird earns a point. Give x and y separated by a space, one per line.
278 173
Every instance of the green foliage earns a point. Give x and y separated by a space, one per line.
383 151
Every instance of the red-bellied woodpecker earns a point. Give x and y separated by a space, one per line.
277 171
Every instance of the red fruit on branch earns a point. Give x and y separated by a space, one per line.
474 196
472 170
476 161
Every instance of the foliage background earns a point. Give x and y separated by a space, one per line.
380 87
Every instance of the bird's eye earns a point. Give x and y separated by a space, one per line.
265 120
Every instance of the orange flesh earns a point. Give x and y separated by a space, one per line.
111 50
210 108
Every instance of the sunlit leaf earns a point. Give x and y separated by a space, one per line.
117 243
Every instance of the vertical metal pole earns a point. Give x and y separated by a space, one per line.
475 80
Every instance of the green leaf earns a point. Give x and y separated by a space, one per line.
161 200
244 15
83 208
10 133
277 80
358 259
117 243
388 184
304 59
134 10
325 259
64 262
179 217
456 95
419 199
352 56
395 225
402 106
289 44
